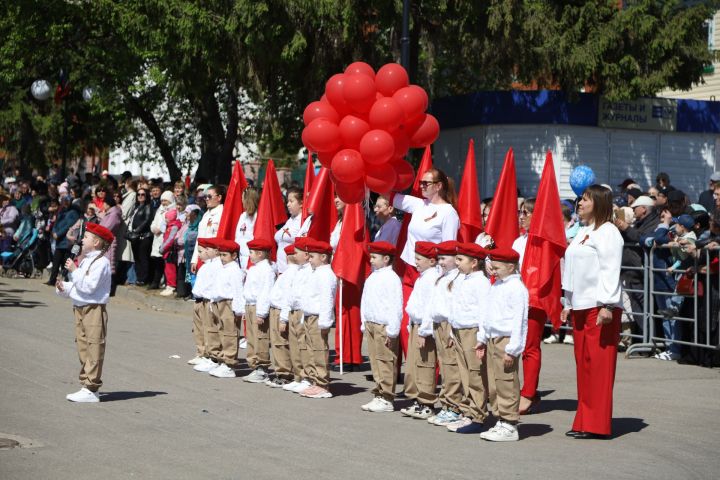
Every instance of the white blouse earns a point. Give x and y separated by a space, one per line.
507 314
519 246
259 283
389 231
319 295
419 301
228 285
592 267
430 222
469 300
243 234
382 301
440 303
88 286
284 237
208 227
335 235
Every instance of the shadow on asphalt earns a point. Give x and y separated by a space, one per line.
343 389
10 298
623 426
115 396
527 430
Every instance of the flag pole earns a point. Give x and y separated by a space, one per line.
340 324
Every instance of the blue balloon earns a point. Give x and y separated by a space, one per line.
581 177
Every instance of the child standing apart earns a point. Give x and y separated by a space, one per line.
204 279
436 324
279 343
468 310
381 315
260 280
420 363
502 336
89 289
228 305
318 305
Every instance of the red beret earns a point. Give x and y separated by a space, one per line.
207 242
100 231
317 246
471 250
426 249
447 248
227 245
301 243
383 248
504 254
290 249
262 244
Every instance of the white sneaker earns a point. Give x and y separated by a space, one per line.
381 405
205 366
290 386
667 356
366 407
168 292
300 386
243 343
553 338
256 376
424 413
463 422
501 432
412 410
222 371
83 396
569 340
195 361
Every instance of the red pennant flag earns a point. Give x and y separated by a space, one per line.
545 247
502 224
351 261
468 207
425 165
233 206
271 210
321 204
187 181
309 180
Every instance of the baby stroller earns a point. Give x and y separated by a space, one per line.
20 260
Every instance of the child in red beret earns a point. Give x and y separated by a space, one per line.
381 315
206 276
502 336
89 289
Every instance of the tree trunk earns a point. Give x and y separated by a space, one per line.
217 143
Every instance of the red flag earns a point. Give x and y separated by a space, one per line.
309 180
469 200
271 210
545 247
425 165
351 261
232 206
502 224
321 204
187 182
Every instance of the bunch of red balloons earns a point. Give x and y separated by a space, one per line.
363 126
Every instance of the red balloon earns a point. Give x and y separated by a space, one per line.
405 174
347 166
352 192
386 114
362 68
352 129
322 135
358 92
334 93
412 126
391 78
413 100
402 143
427 133
380 178
377 147
325 158
320 109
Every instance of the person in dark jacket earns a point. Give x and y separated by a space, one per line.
646 221
140 236
706 198
67 217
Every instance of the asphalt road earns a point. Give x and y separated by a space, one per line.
159 419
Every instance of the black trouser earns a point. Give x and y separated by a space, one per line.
58 261
42 254
157 270
182 289
141 253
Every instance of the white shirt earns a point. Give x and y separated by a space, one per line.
519 246
228 285
206 275
89 286
319 295
259 283
469 300
208 227
281 290
297 289
305 228
592 268
440 304
430 222
419 300
284 237
382 300
335 235
389 231
507 314
243 234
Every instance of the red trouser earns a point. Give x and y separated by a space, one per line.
350 318
409 276
596 359
170 274
532 356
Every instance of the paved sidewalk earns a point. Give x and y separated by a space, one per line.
161 420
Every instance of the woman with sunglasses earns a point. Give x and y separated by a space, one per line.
140 236
434 219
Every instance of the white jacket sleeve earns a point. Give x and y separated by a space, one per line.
609 250
65 293
407 203
238 299
518 306
263 294
450 226
395 312
326 314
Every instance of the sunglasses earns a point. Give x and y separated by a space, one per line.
425 183
524 213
